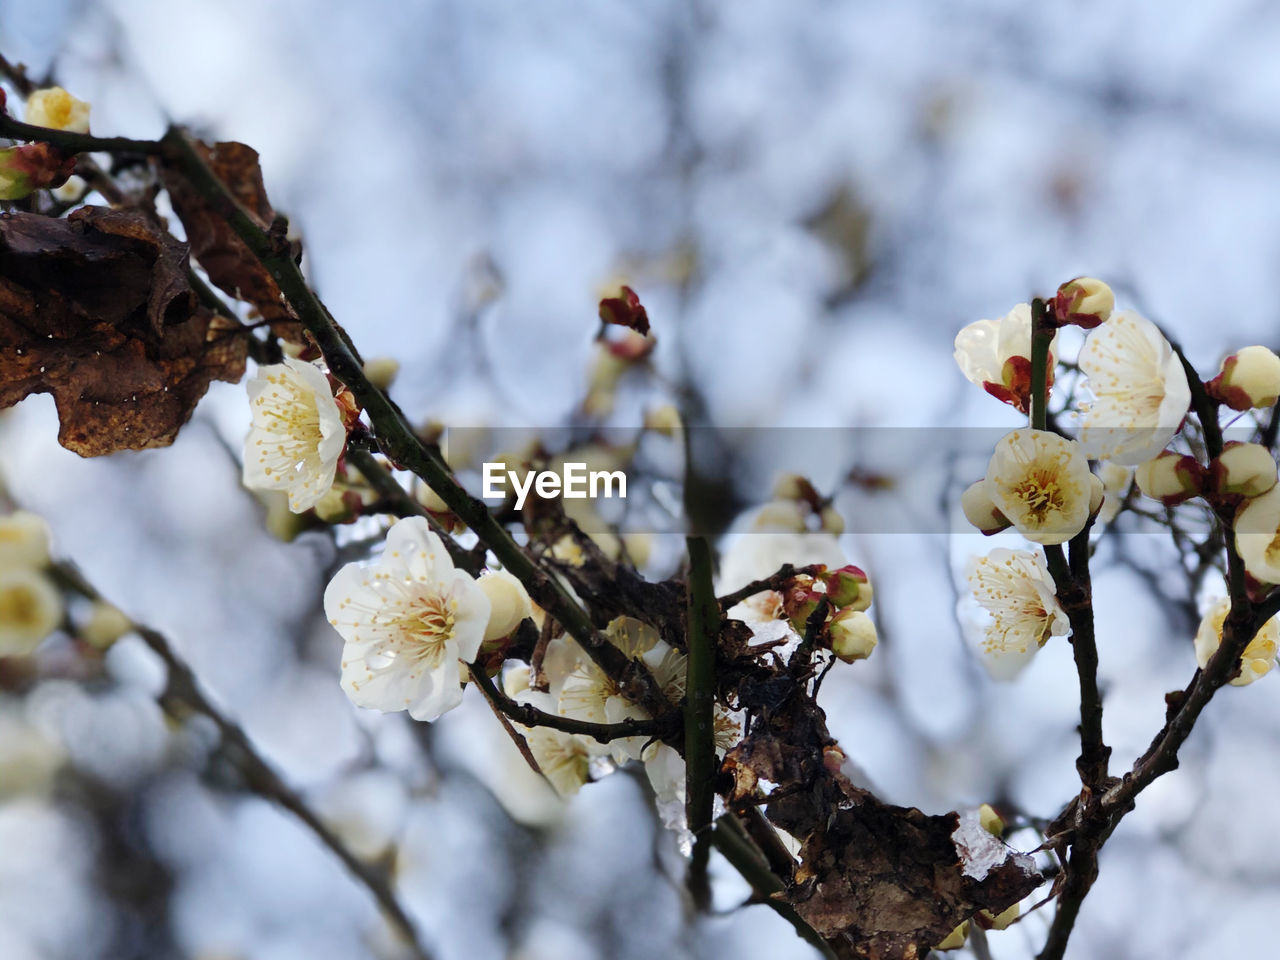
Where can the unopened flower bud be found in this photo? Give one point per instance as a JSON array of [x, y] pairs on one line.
[[853, 635], [381, 372], [429, 499], [848, 587], [799, 602], [786, 516], [106, 625], [1248, 378], [981, 511], [1247, 469], [30, 167], [1170, 478], [1084, 301], [508, 603], [54, 107], [831, 520], [622, 306], [30, 610], [792, 486], [24, 541]]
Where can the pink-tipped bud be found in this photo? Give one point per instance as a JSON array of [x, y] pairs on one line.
[[1171, 478], [1248, 378], [1246, 469], [848, 587], [981, 511], [1084, 301], [31, 167], [853, 635]]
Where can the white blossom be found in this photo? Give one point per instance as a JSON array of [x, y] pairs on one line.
[[1139, 388], [1258, 657], [24, 541], [297, 434], [1257, 530], [407, 619], [996, 355], [1015, 589], [54, 107], [1041, 483], [30, 610]]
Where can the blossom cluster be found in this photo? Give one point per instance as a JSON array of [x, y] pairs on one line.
[[1042, 483]]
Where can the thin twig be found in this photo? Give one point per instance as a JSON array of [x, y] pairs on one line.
[[184, 688]]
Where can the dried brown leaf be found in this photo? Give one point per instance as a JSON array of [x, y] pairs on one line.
[[96, 310], [230, 264]]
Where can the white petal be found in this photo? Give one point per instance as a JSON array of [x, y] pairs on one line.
[[976, 351], [413, 547]]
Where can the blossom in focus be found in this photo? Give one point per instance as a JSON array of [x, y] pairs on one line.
[[1257, 530], [55, 108], [24, 541], [996, 355], [1258, 657], [297, 434], [1015, 588], [30, 610], [1248, 378], [1139, 387], [1041, 483], [407, 619], [979, 510]]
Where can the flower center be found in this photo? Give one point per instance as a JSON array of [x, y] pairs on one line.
[[287, 412], [18, 606], [423, 627], [1041, 492]]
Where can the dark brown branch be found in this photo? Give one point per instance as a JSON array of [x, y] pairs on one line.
[[530, 716], [185, 689]]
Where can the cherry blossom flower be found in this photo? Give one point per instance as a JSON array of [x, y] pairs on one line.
[[1257, 529], [996, 355], [1041, 483], [297, 434], [509, 603], [24, 541], [1015, 589], [1258, 657], [54, 107], [30, 610], [407, 619], [1139, 388]]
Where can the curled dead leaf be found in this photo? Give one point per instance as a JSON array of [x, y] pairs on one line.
[[96, 310], [228, 262]]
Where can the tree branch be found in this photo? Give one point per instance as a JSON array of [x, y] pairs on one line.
[[183, 687], [699, 714]]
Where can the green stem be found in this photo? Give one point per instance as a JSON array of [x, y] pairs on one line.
[[1042, 332], [699, 714]]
